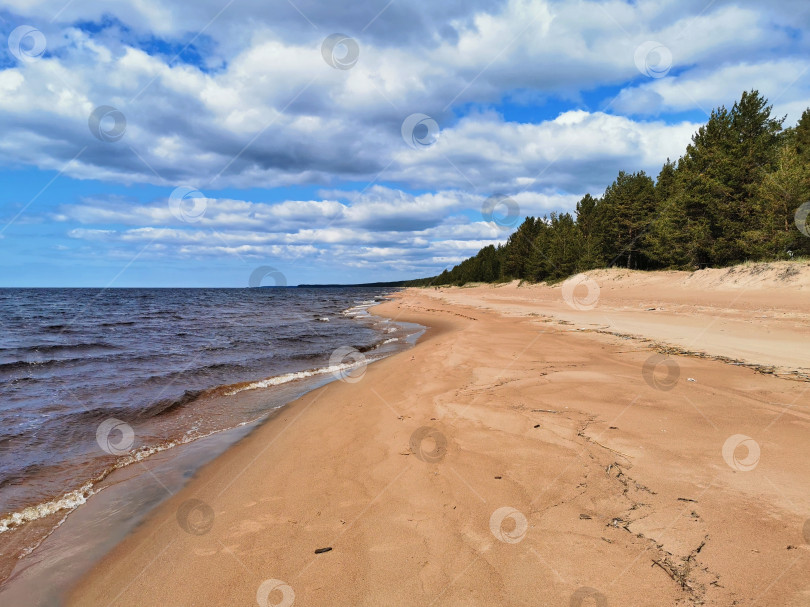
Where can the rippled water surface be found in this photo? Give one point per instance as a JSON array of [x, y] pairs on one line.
[[165, 365]]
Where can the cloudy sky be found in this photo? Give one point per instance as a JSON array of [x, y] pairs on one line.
[[168, 143]]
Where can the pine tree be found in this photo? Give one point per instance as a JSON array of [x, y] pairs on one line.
[[802, 137], [732, 196], [518, 249], [490, 269], [781, 193], [699, 186], [539, 266], [739, 222], [668, 240], [586, 221], [565, 245], [623, 217]]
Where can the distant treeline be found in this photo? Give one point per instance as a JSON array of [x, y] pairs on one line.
[[367, 285], [732, 197]]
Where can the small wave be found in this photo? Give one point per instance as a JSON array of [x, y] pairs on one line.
[[360, 309], [167, 405], [215, 369], [70, 500], [324, 319], [288, 377], [81, 346], [73, 499], [356, 311], [80, 360], [299, 338], [23, 364], [391, 340]]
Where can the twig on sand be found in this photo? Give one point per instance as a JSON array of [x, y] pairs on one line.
[[590, 440], [669, 573]]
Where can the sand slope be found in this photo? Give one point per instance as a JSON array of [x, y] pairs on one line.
[[755, 313], [509, 459]]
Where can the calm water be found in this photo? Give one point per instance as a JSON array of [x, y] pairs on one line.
[[92, 380]]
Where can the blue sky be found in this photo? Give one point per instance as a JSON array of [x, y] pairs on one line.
[[240, 134]]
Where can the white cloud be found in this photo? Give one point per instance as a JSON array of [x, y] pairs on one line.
[[576, 151], [786, 82], [252, 104], [352, 234], [276, 114]]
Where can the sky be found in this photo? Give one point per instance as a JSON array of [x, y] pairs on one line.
[[159, 143]]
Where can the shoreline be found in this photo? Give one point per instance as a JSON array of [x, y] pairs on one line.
[[499, 460], [29, 543]]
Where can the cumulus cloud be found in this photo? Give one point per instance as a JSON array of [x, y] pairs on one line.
[[398, 231], [277, 114], [784, 81], [237, 95]]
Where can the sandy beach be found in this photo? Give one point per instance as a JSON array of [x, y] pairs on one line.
[[540, 445]]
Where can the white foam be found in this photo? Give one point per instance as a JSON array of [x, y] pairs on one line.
[[356, 311], [73, 499], [70, 500], [361, 309], [288, 377]]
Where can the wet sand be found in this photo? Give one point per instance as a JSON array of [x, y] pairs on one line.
[[523, 452]]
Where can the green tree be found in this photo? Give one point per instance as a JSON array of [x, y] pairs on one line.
[[802, 137], [732, 196], [586, 220], [518, 249], [781, 193], [739, 221], [539, 266], [668, 240], [623, 217], [565, 245]]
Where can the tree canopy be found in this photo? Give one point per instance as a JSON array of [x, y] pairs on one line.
[[731, 197]]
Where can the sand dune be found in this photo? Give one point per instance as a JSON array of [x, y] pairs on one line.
[[512, 458]]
